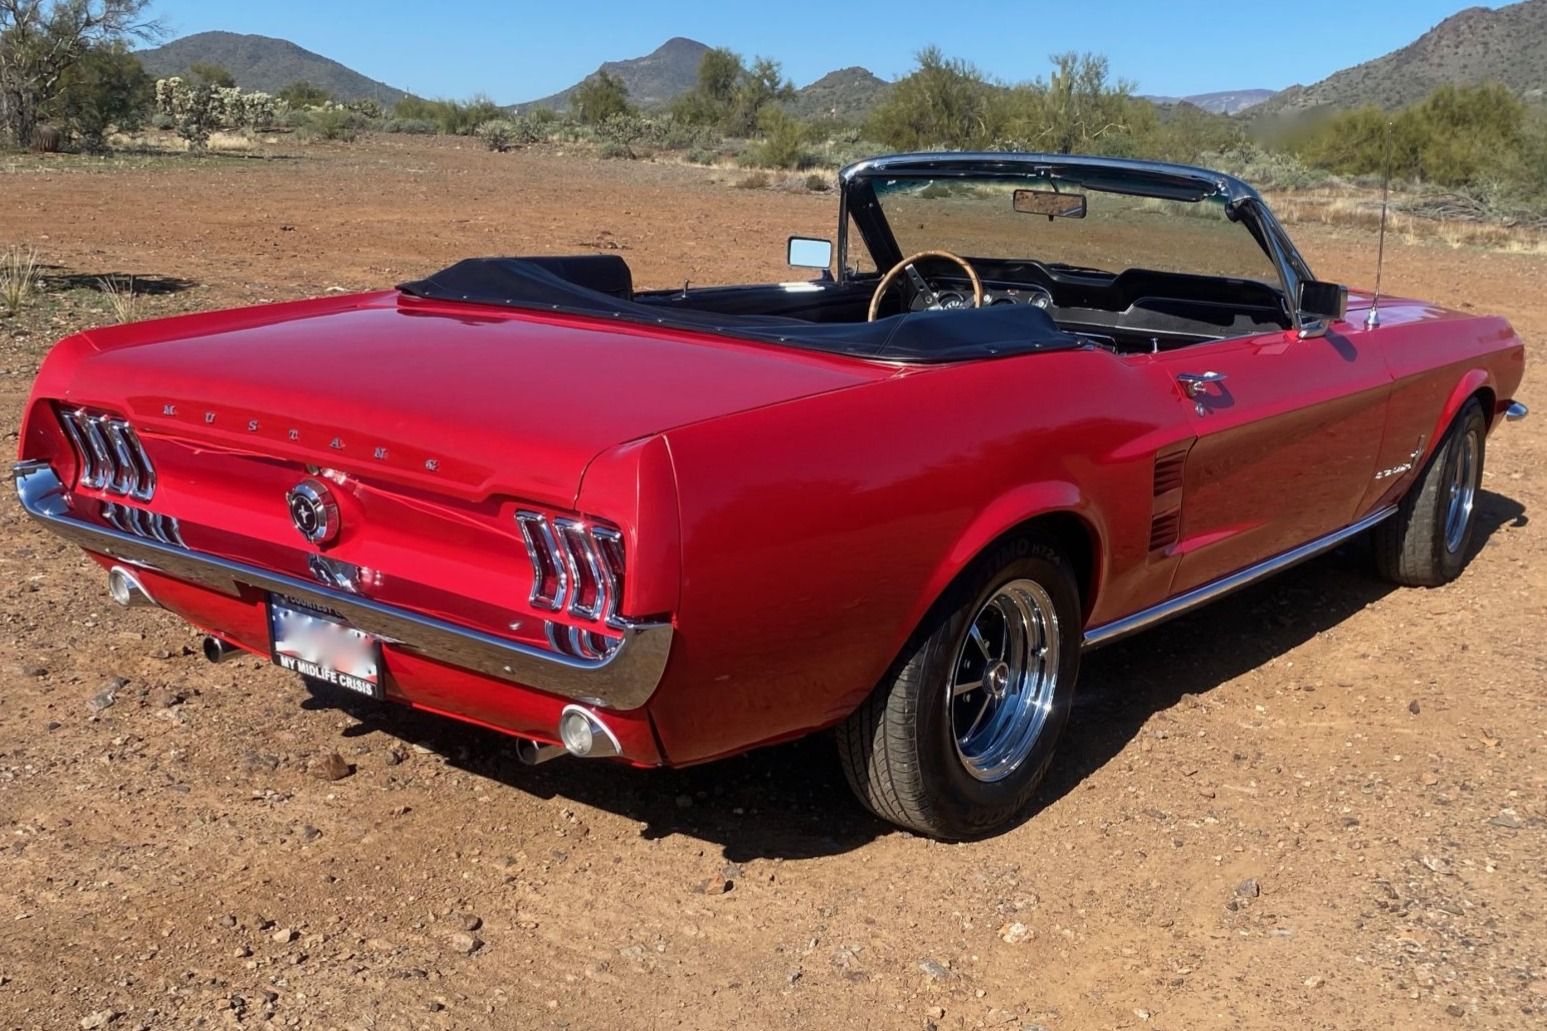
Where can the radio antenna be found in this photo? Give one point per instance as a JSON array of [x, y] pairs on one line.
[[1372, 320]]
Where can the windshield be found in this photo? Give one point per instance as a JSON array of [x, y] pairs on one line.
[[983, 218]]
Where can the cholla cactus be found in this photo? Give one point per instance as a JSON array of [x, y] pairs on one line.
[[220, 107]]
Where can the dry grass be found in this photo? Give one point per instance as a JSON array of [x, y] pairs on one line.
[[122, 298], [19, 277]]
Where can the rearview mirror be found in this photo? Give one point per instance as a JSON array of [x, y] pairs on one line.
[[1049, 203], [1323, 300], [808, 252]]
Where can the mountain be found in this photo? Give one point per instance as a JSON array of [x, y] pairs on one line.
[[264, 63], [846, 95], [1225, 102], [653, 81], [1507, 45]]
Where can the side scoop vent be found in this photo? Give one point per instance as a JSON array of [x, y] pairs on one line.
[[1166, 510], [1168, 472]]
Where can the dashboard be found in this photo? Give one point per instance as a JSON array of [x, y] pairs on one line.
[[960, 296]]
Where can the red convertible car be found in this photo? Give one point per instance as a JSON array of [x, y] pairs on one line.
[[1030, 405]]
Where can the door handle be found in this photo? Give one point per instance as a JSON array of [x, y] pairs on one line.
[[1196, 384]]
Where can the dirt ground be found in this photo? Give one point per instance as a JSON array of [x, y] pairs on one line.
[[1322, 804]]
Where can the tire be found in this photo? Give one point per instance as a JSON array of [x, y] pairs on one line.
[[925, 754], [1425, 543]]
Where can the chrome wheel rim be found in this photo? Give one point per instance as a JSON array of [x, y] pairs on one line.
[[1463, 493], [1003, 680]]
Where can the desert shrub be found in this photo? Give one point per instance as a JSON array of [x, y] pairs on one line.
[[105, 89], [944, 102], [122, 298], [818, 183], [730, 96], [409, 126], [617, 150], [498, 134], [701, 156], [600, 97], [452, 117], [162, 120], [679, 135], [1473, 137], [302, 94], [785, 140], [753, 181], [1265, 168], [19, 277], [332, 122]]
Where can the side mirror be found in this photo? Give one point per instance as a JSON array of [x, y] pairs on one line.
[[1320, 300], [808, 252]]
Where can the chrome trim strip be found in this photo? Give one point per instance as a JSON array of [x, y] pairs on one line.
[[1172, 607], [624, 679], [1515, 412]]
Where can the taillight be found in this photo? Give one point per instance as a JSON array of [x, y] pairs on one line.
[[110, 454], [577, 566]]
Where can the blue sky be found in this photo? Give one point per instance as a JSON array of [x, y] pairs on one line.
[[517, 50]]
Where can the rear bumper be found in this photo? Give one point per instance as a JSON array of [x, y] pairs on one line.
[[623, 681]]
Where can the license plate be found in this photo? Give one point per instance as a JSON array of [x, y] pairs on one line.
[[319, 644]]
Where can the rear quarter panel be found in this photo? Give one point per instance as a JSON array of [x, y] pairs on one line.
[[817, 533]]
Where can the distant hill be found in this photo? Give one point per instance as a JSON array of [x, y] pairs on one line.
[[265, 63], [653, 81], [1508, 45], [1225, 102], [846, 95]]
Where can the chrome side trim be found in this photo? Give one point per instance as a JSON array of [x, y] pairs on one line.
[[1515, 412], [624, 679], [1106, 633]]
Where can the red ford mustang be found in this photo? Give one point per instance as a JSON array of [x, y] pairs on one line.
[[1031, 405]]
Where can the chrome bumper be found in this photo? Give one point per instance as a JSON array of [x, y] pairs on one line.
[[624, 680]]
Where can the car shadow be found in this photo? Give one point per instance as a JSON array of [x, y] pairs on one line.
[[790, 801], [55, 277]]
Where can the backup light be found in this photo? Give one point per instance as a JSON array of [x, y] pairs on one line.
[[575, 732], [585, 735]]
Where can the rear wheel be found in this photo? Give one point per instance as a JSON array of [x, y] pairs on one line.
[[1425, 543], [955, 739]]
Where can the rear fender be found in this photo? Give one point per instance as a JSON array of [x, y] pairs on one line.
[[1010, 510]]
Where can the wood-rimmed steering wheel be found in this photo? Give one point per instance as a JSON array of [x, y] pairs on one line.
[[918, 282]]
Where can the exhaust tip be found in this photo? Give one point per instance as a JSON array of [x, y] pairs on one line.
[[125, 588], [533, 752], [585, 735], [217, 650]]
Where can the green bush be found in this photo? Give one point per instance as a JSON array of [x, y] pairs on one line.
[[410, 126], [334, 123], [498, 134], [785, 140], [1474, 137], [600, 97], [452, 117], [105, 89]]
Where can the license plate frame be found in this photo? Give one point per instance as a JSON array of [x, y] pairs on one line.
[[319, 643]]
